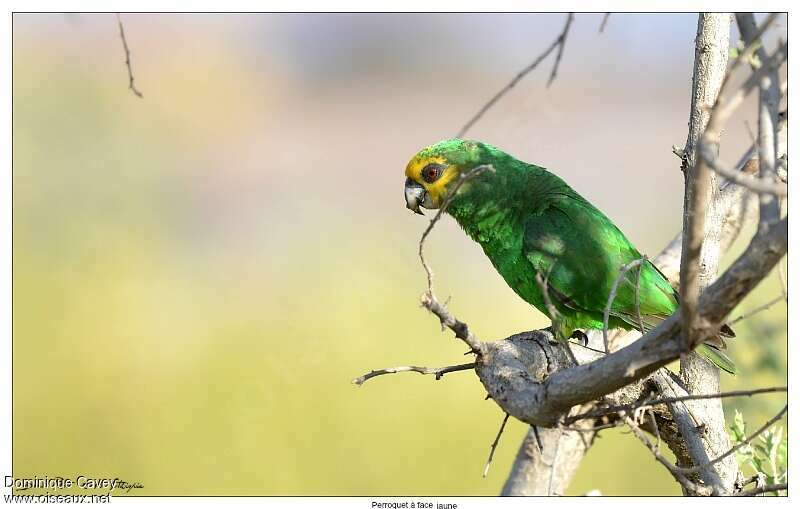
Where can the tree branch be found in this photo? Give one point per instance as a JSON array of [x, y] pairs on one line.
[[437, 372], [603, 411], [543, 399], [677, 474], [557, 43], [767, 488], [428, 299], [131, 85]]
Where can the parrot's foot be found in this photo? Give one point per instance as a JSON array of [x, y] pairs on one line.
[[581, 336], [552, 340]]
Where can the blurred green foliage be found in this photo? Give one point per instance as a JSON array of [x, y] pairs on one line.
[[189, 311], [766, 457]]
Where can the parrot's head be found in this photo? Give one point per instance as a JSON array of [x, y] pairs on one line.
[[434, 169]]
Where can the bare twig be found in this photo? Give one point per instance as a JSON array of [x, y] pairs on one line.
[[493, 447], [131, 85], [613, 295], [676, 472], [461, 329], [767, 488], [741, 444], [562, 40], [757, 310], [758, 185], [601, 412], [437, 372], [464, 177], [428, 298], [558, 42], [603, 23], [726, 105]]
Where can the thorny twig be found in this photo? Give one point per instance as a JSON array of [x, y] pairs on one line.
[[437, 372], [493, 447], [131, 85], [558, 42], [428, 299]]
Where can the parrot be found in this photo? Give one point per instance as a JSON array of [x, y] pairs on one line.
[[540, 234]]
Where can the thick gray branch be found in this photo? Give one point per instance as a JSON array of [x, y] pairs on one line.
[[532, 475], [530, 387], [703, 225]]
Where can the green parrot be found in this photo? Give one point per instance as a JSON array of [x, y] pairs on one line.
[[528, 221]]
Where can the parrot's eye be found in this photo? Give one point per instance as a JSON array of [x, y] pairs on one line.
[[432, 172]]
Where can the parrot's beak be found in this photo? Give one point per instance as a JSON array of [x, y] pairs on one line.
[[415, 195]]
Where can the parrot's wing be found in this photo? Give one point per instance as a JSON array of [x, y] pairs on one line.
[[579, 252]]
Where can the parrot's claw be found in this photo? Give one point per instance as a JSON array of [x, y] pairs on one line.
[[581, 336]]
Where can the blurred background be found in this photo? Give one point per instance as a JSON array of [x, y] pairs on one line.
[[199, 274]]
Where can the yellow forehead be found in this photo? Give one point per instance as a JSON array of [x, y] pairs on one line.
[[438, 189], [415, 166]]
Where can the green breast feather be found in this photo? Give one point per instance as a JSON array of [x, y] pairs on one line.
[[529, 221]]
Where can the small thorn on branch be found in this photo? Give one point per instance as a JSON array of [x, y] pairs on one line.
[[493, 447]]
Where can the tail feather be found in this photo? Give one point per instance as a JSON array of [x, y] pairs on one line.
[[717, 357]]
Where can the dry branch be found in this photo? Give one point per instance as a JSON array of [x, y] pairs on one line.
[[131, 85], [767, 488], [437, 372], [557, 43]]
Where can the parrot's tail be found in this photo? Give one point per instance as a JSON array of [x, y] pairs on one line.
[[716, 357]]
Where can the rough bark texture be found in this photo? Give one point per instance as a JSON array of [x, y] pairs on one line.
[[532, 475], [704, 220]]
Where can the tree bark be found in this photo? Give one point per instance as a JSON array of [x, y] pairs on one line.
[[703, 209]]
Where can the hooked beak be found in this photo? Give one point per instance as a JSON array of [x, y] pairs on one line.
[[415, 195]]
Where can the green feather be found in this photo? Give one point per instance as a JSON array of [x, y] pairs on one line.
[[529, 221]]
